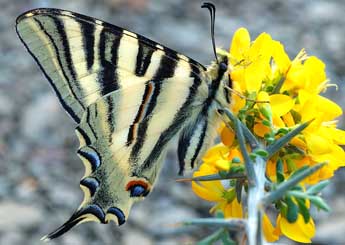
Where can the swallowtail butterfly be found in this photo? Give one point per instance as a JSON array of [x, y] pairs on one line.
[[130, 97]]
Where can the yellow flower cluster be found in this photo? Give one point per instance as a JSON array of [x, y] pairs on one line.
[[261, 70]]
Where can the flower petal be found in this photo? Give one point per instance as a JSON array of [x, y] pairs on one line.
[[240, 44], [268, 229], [298, 231], [280, 57], [281, 104], [233, 209]]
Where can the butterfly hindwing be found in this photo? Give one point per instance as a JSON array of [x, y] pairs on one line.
[[122, 165]]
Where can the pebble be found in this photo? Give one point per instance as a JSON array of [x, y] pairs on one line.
[[15, 216], [133, 236]]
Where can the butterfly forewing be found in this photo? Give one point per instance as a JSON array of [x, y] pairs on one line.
[[130, 97], [84, 58]]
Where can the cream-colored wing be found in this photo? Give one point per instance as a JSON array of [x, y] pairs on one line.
[[84, 58]]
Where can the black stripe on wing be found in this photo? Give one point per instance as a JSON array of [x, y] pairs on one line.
[[143, 60], [166, 70], [107, 76], [180, 118], [191, 141], [88, 31]]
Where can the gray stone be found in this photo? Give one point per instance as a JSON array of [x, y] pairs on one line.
[[42, 120], [133, 237], [15, 216]]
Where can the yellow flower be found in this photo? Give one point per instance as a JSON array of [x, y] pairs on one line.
[[208, 190], [270, 232], [215, 153], [215, 191], [250, 64], [298, 231], [261, 70], [230, 209], [305, 73]]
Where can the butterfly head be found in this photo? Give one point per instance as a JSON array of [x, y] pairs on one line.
[[219, 79]]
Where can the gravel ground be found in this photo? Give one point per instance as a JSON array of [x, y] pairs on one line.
[[39, 171]]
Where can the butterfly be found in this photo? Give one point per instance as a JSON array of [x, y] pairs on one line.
[[130, 98]]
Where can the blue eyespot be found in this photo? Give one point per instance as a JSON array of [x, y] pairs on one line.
[[138, 191]]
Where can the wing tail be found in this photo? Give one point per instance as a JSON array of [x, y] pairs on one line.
[[86, 213], [69, 224]]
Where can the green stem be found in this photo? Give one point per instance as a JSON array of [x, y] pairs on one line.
[[253, 142], [279, 85], [241, 141], [232, 224], [255, 195], [212, 238], [214, 177]]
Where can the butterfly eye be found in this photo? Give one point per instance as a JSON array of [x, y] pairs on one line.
[[137, 189], [223, 66]]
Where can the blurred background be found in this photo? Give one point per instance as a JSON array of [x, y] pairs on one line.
[[39, 170]]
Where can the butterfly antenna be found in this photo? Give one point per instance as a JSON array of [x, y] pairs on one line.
[[212, 9]]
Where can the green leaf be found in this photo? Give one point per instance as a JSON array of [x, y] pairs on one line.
[[237, 169], [303, 210], [279, 143], [225, 238], [291, 165], [280, 171], [261, 152], [269, 138], [229, 195], [266, 123], [236, 160], [320, 203], [283, 208], [280, 178], [282, 131], [223, 173], [280, 166], [296, 116], [299, 171], [292, 210], [211, 239], [267, 113], [317, 188], [219, 214]]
